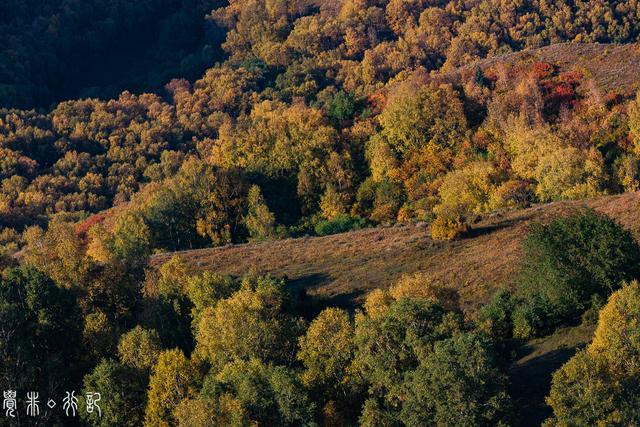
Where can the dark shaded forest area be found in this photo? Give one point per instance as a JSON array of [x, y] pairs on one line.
[[57, 50]]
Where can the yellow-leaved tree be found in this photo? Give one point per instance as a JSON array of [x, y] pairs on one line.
[[463, 192], [248, 324], [599, 385], [559, 171], [259, 220], [422, 127], [634, 122], [174, 378]]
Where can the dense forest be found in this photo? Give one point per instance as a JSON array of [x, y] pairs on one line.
[[129, 129]]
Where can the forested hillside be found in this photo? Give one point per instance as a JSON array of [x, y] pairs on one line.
[[322, 112], [484, 155]]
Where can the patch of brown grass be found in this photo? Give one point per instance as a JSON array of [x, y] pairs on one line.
[[342, 268]]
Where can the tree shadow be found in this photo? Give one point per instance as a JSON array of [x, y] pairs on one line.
[[312, 305], [308, 281], [346, 301], [530, 384], [491, 228]]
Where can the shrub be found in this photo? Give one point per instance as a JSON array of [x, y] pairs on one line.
[[572, 258], [495, 319], [420, 285], [448, 228], [463, 192], [532, 318], [340, 224]]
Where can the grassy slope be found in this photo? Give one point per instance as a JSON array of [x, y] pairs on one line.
[[535, 363], [342, 268]]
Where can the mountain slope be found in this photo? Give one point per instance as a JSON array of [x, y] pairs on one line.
[[342, 268]]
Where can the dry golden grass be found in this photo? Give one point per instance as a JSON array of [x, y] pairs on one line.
[[341, 269]]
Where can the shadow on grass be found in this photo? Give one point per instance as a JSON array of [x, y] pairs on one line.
[[346, 301], [531, 382], [308, 281], [312, 305], [477, 231]]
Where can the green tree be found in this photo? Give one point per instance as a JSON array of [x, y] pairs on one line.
[[495, 319], [572, 258], [122, 395], [341, 106], [269, 395], [259, 220], [40, 335], [458, 383], [406, 331]]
